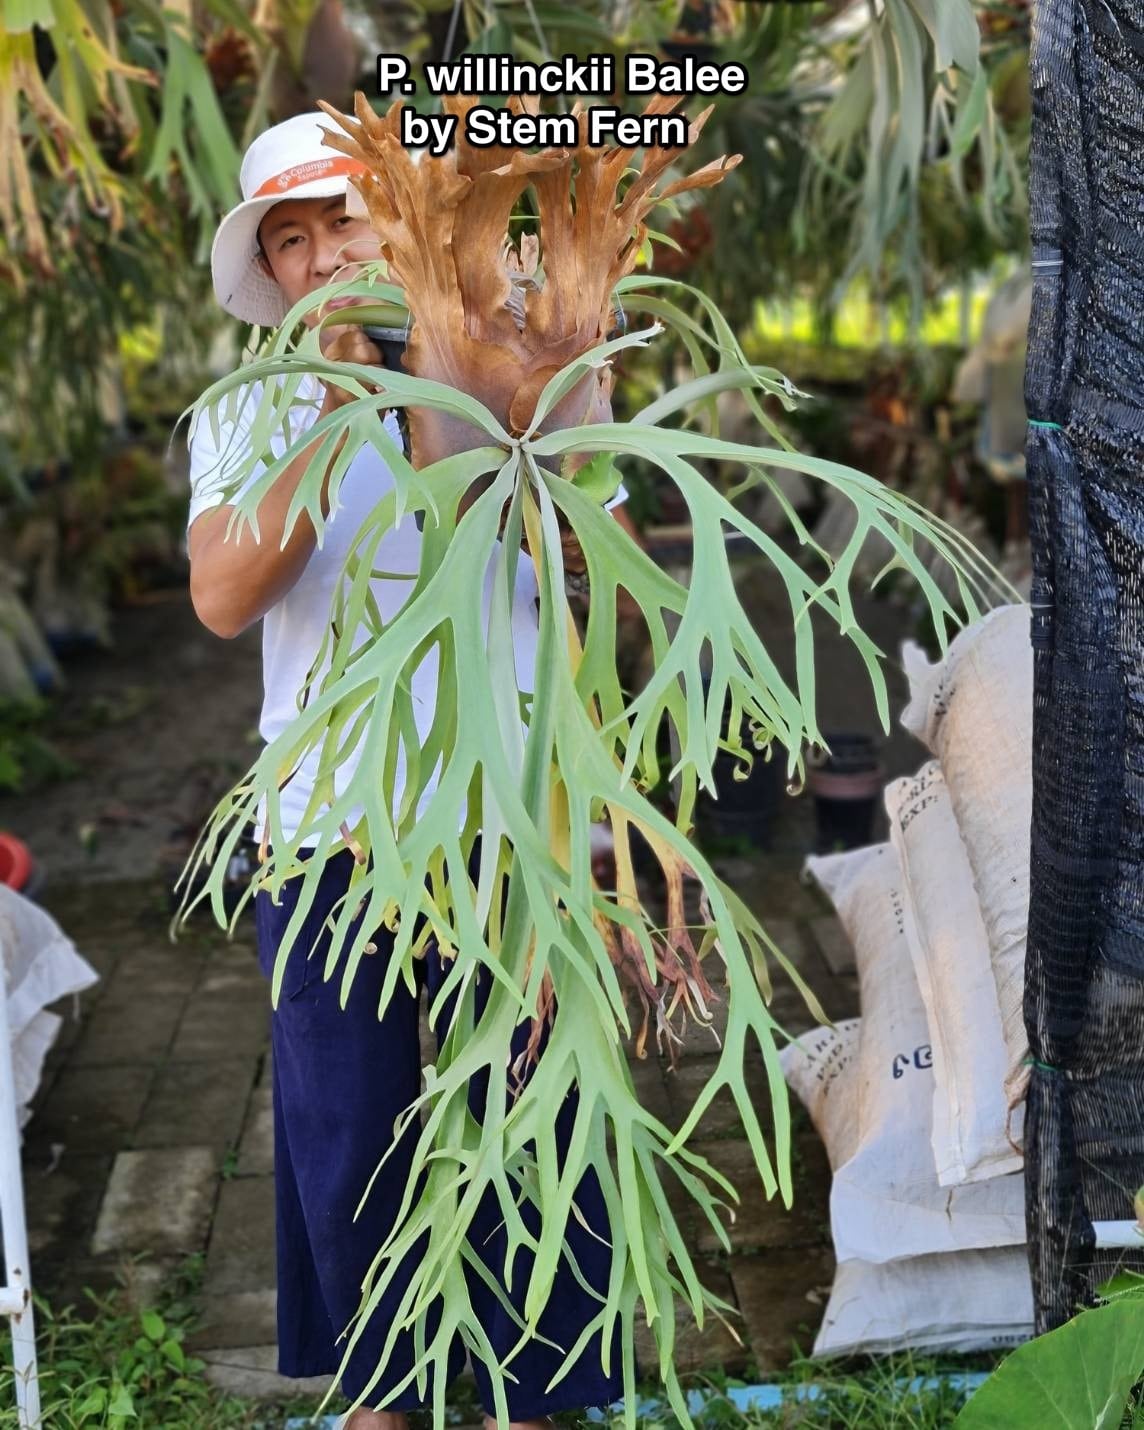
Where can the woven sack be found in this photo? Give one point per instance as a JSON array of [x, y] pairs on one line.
[[966, 1301], [820, 1067], [949, 948], [962, 1301], [886, 1201], [974, 711]]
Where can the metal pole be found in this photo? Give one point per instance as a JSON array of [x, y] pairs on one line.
[[16, 1294]]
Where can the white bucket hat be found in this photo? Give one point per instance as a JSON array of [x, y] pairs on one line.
[[289, 161]]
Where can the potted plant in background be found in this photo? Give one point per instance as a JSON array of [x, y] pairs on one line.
[[514, 397], [745, 795], [845, 781]]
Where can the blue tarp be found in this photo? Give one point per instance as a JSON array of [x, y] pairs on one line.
[[743, 1398]]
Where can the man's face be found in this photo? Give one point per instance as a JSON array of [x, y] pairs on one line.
[[311, 242]]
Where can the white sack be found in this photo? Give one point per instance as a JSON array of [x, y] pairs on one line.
[[41, 965], [974, 711], [886, 1202], [820, 1068], [968, 1301], [962, 1301], [949, 948]]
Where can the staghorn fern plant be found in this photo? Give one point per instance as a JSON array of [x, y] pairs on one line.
[[507, 394]]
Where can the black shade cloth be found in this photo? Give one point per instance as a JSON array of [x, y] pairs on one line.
[[1084, 393]]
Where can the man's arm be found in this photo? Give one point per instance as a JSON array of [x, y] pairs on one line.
[[234, 583]]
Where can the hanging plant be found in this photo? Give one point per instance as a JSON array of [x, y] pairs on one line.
[[508, 395], [110, 98], [910, 93]]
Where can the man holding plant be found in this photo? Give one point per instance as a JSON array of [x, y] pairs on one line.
[[342, 1076]]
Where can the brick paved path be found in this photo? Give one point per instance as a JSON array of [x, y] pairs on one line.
[[152, 1134], [151, 1138]]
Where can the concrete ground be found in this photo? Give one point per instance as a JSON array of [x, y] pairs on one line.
[[151, 1139]]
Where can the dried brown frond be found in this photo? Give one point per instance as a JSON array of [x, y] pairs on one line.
[[444, 229]]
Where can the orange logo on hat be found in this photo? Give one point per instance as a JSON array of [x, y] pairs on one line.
[[307, 173]]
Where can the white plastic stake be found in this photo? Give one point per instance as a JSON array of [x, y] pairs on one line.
[[16, 1294], [1117, 1234]]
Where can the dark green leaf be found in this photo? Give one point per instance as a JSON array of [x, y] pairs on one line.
[[1077, 1376]]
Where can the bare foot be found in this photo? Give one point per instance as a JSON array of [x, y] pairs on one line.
[[365, 1419]]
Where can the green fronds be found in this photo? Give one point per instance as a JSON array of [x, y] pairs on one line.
[[530, 776]]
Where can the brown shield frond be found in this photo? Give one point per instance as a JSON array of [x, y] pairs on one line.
[[444, 227]]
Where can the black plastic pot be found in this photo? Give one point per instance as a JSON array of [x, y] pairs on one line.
[[846, 785], [744, 809], [241, 867], [391, 342]]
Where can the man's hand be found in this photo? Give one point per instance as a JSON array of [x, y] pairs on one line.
[[346, 343]]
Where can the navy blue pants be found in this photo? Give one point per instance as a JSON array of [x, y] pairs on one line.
[[341, 1077]]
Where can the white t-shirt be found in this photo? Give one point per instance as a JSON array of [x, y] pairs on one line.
[[293, 629]]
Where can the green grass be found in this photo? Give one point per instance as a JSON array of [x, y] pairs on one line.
[[115, 1367], [111, 1367], [870, 1396], [105, 1365]]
